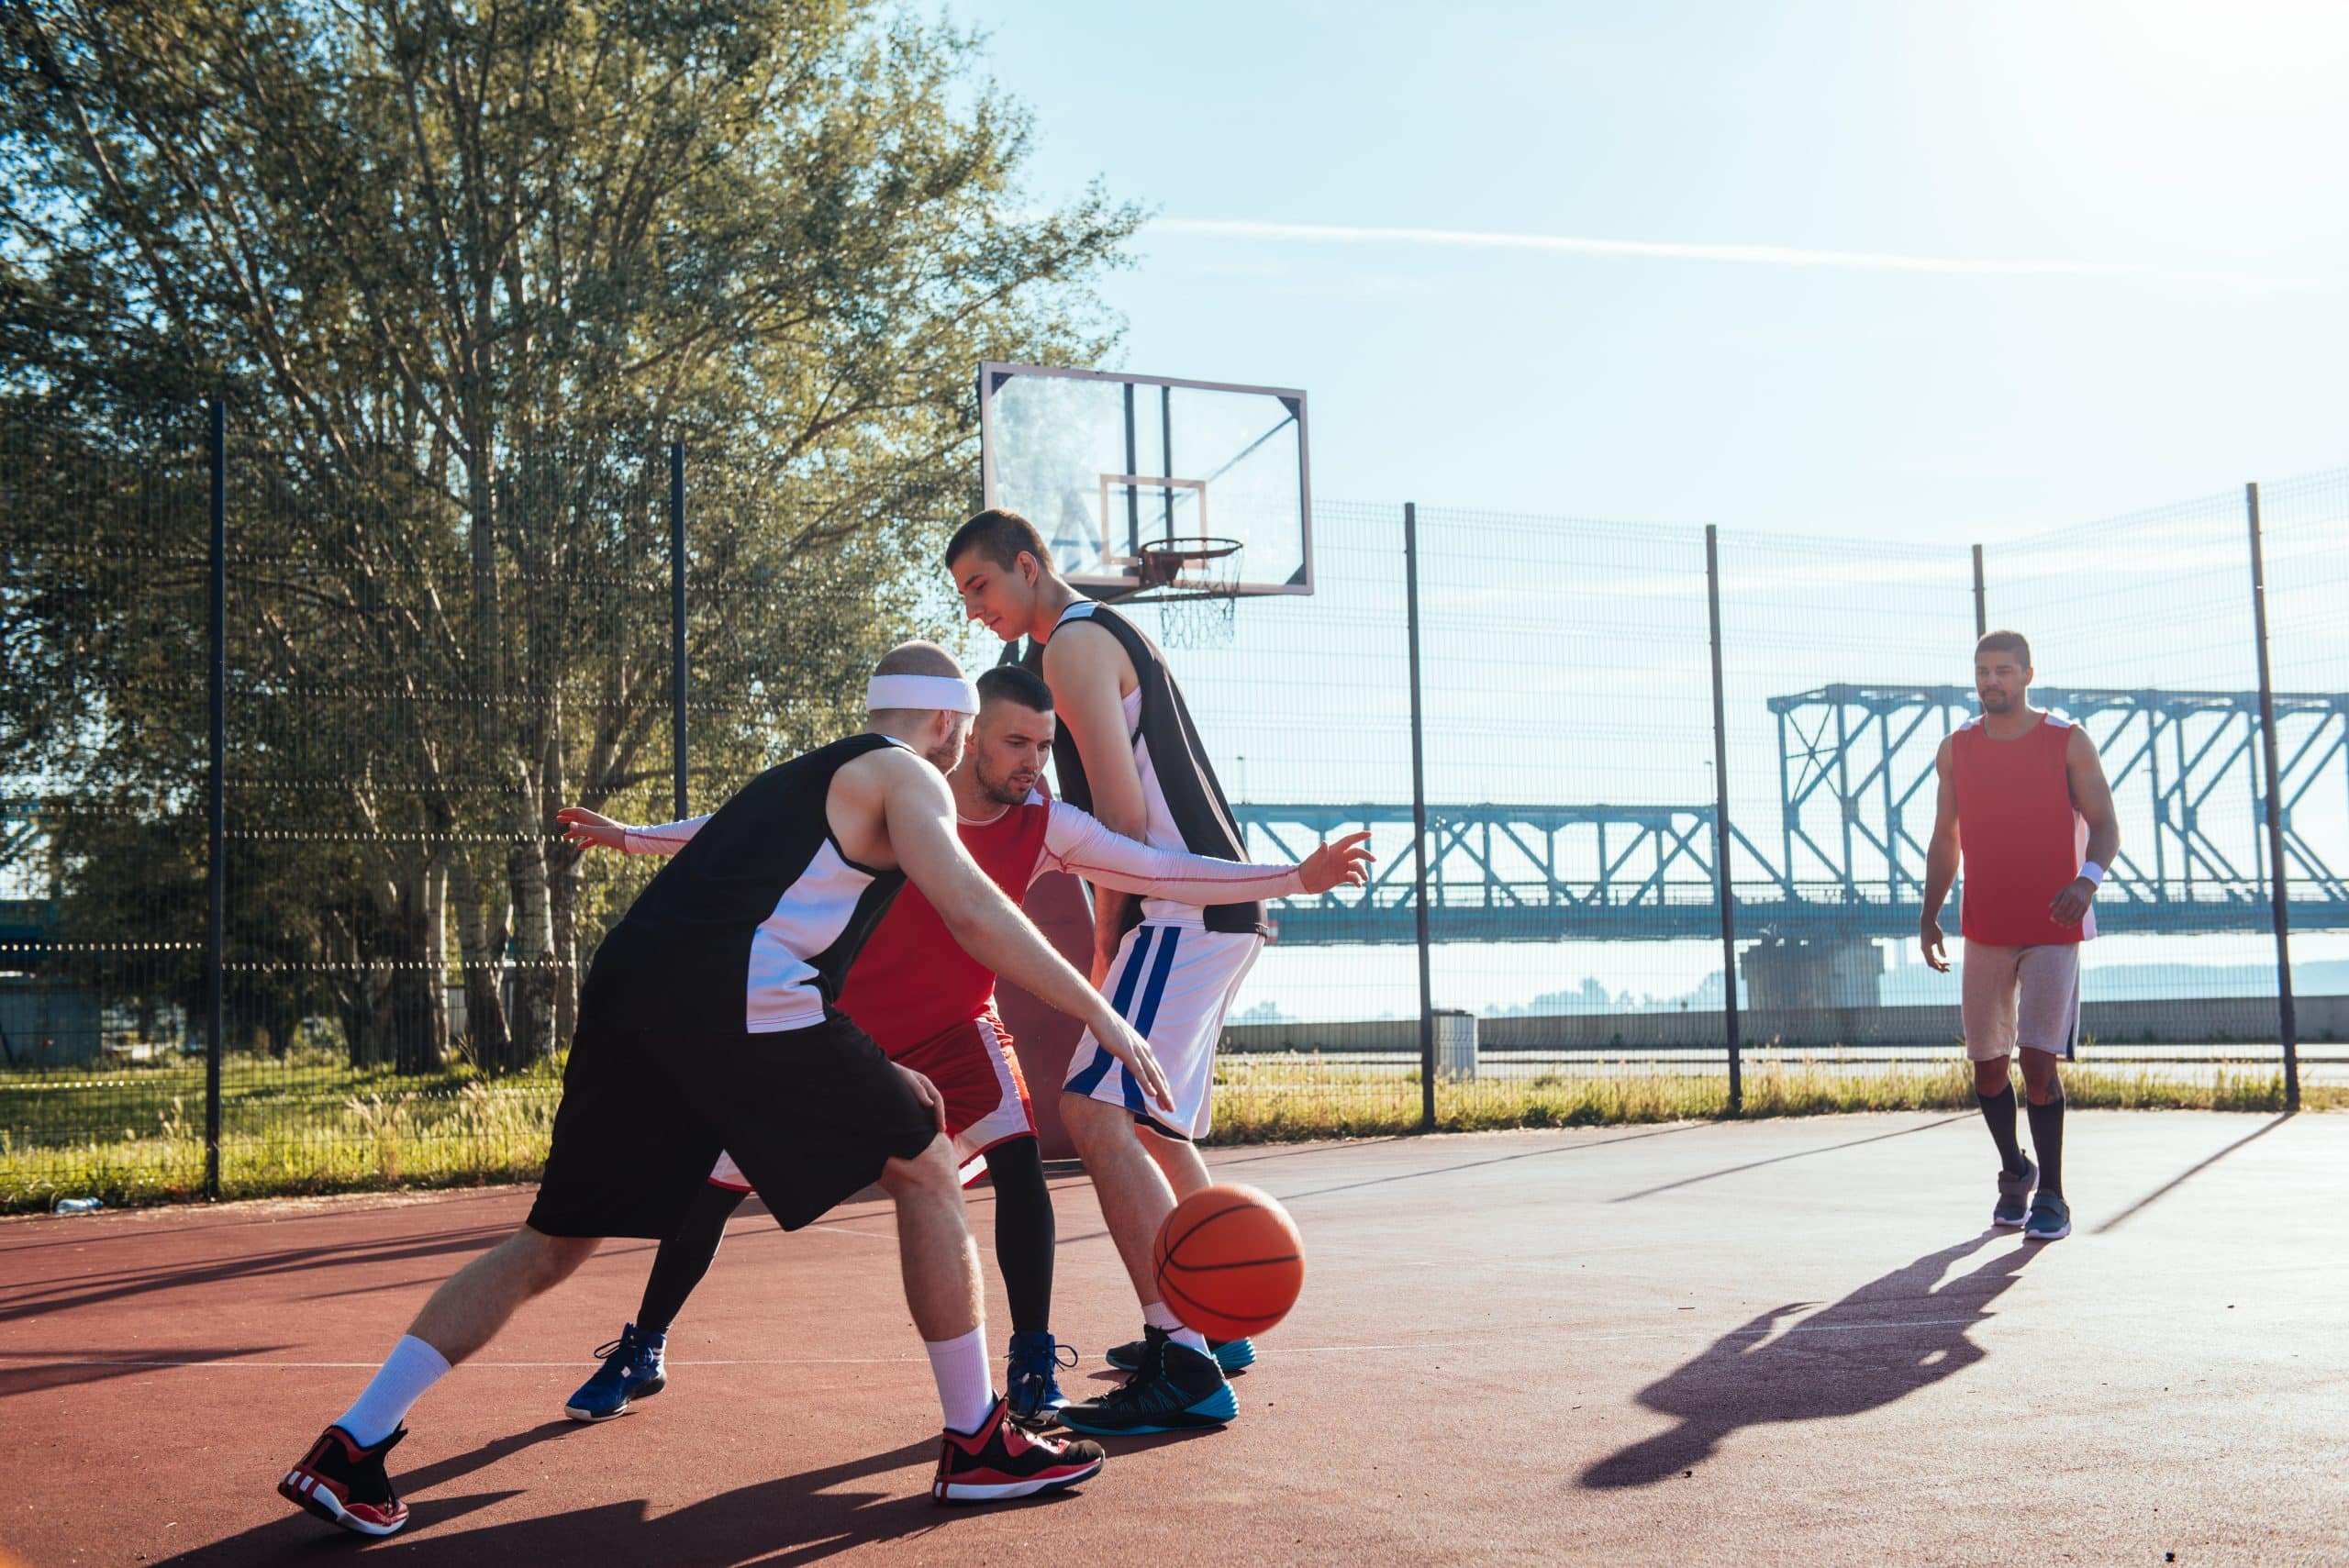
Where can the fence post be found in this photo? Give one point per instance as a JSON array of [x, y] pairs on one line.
[[1419, 818], [1722, 851], [677, 620], [2288, 1024], [216, 798], [1981, 602]]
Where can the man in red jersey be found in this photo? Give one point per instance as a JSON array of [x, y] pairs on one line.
[[711, 1021], [930, 1007], [2024, 800]]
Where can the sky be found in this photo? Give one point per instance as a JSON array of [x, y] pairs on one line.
[[1921, 275], [1937, 273]]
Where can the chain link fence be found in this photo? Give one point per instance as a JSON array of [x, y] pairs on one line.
[[1597, 724]]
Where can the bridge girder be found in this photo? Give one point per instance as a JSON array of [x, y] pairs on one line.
[[1855, 809]]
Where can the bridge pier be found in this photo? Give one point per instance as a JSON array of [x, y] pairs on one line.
[[1826, 971]]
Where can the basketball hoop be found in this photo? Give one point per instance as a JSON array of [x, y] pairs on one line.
[[1202, 573]]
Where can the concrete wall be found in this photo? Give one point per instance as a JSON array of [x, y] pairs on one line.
[[2213, 1021]]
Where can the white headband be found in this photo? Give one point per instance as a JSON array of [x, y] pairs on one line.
[[951, 692]]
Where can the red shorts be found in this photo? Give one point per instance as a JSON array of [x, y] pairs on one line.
[[986, 1098]]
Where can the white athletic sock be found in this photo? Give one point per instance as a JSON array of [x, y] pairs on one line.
[[411, 1368], [965, 1386], [1155, 1314]]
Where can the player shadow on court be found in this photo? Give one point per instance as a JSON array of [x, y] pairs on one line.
[[32, 1372], [1884, 1341], [791, 1519], [130, 1281]]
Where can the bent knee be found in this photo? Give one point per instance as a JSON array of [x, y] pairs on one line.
[[932, 1170], [553, 1259], [1086, 1117]]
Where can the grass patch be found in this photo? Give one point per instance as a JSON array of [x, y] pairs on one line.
[[135, 1135], [1273, 1098]]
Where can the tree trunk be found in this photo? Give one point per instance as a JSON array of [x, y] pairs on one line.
[[563, 891], [416, 1001], [436, 957], [562, 898], [372, 934], [481, 946], [534, 954]]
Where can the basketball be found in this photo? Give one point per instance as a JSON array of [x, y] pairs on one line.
[[1230, 1263]]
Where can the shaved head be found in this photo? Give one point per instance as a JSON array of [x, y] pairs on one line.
[[936, 733], [917, 658]]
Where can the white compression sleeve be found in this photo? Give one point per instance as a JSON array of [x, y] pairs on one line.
[[665, 839], [1077, 843]]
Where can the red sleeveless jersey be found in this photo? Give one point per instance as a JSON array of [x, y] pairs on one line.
[[913, 982], [2021, 839]]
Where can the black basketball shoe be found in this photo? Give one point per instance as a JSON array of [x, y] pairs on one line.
[[1175, 1389]]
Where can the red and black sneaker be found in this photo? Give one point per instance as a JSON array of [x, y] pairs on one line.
[[346, 1485], [1001, 1460]]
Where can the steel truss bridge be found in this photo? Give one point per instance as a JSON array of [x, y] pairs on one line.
[[1845, 858]]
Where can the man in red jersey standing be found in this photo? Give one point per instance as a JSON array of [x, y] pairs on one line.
[[2023, 800]]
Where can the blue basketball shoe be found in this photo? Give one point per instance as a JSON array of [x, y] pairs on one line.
[[633, 1369], [1233, 1355], [1034, 1391], [1175, 1389]]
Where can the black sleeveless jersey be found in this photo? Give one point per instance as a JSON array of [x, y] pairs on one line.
[[751, 927], [1178, 785]]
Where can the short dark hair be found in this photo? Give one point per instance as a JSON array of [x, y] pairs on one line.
[[2004, 641], [999, 534], [1011, 683]]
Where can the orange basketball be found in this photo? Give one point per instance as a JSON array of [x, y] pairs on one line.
[[1230, 1261]]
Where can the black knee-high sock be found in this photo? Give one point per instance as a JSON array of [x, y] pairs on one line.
[[2047, 1141], [1999, 1110], [685, 1257], [1025, 1233]]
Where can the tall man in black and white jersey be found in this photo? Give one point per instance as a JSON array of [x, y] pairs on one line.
[[1134, 761], [707, 1022]]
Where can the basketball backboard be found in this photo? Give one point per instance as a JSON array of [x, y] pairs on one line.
[[1106, 464]]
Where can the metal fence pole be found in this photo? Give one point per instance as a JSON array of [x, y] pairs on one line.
[[1721, 852], [1981, 602], [677, 620], [2287, 1022], [216, 800], [1419, 818]]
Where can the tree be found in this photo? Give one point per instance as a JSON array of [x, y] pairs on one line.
[[463, 270]]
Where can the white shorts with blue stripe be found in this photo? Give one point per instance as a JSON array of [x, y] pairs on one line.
[[1173, 983]]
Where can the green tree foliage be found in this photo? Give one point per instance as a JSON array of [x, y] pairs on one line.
[[462, 271]]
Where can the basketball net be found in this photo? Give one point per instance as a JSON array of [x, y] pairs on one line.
[[1202, 609]]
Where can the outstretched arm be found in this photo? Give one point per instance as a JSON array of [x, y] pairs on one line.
[[590, 828], [991, 928], [1077, 843]]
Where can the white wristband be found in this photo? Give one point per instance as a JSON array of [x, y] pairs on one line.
[[2093, 872]]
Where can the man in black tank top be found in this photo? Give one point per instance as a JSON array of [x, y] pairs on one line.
[[707, 1022], [1133, 759]]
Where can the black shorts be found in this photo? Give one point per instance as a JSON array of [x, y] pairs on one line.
[[809, 1115]]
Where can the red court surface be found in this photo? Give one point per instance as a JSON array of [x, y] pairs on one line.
[[1786, 1341]]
